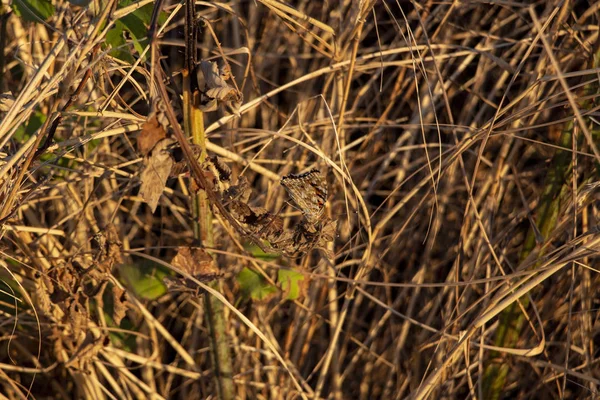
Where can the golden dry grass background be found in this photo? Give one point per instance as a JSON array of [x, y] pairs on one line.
[[438, 126]]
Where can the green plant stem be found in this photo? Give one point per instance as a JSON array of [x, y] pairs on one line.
[[512, 319], [203, 232], [556, 191]]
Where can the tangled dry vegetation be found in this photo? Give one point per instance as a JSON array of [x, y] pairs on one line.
[[454, 256]]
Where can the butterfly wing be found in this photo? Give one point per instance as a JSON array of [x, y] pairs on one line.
[[309, 193]]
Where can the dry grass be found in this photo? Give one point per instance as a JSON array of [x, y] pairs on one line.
[[439, 126]]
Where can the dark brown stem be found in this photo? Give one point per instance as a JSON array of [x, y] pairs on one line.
[[3, 20], [220, 351]]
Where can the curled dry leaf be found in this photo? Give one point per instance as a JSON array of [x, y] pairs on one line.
[[311, 238], [196, 262], [180, 165], [258, 220], [154, 129], [212, 167], [305, 237], [109, 248], [219, 168], [87, 351], [6, 101], [152, 132], [120, 304], [212, 82], [587, 193], [157, 168], [241, 191]]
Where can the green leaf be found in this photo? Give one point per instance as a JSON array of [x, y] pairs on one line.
[[124, 341], [35, 122], [92, 144], [144, 13], [135, 26], [253, 285], [257, 252], [120, 338], [116, 39], [145, 279], [33, 10], [290, 283]]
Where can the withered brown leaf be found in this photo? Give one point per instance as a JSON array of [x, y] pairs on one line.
[[222, 170], [305, 237], [6, 101], [109, 248], [154, 129], [240, 191], [152, 132], [120, 304], [154, 176], [258, 220], [196, 262], [180, 165], [212, 82]]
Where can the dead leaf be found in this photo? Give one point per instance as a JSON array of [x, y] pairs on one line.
[[223, 170], [114, 243], [212, 82], [152, 132], [154, 129], [6, 101], [156, 172], [329, 230], [241, 191], [87, 351], [181, 165], [160, 110], [120, 304], [258, 220], [109, 248], [196, 262], [306, 237]]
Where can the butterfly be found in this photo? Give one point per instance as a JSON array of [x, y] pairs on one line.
[[309, 192]]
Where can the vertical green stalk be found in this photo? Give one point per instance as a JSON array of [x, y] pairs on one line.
[[512, 320], [201, 210], [556, 191]]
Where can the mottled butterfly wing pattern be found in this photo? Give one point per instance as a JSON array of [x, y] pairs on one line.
[[309, 192]]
